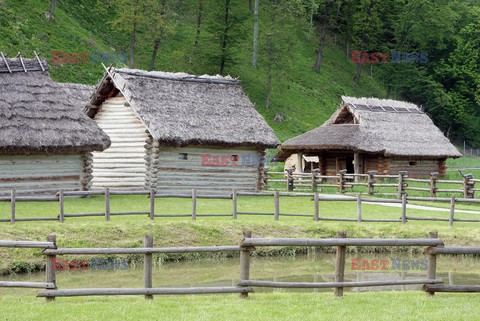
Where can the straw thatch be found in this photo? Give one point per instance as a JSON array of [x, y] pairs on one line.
[[39, 116], [180, 109], [388, 127]]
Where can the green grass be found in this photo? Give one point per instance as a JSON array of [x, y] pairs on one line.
[[260, 306]]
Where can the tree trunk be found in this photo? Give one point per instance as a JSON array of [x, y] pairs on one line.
[[270, 67], [318, 63], [132, 44], [49, 14], [255, 35], [250, 6], [224, 39], [156, 44], [199, 22], [359, 73]]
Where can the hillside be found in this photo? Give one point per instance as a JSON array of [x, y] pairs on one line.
[[303, 97]]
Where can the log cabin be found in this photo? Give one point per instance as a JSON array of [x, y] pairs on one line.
[[368, 134], [171, 131], [45, 138]]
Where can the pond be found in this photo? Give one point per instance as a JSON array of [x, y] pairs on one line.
[[225, 272]]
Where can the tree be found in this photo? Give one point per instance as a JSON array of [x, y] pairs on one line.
[[131, 15], [49, 14], [160, 24], [323, 36], [255, 35], [199, 22]]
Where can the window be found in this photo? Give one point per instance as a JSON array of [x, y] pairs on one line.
[[183, 156], [412, 163], [234, 158]]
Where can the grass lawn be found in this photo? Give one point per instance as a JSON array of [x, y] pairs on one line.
[[260, 306]]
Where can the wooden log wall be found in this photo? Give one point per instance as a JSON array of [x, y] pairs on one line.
[[123, 164], [41, 173], [181, 170], [414, 167]]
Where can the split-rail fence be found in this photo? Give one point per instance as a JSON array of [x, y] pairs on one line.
[[246, 285]]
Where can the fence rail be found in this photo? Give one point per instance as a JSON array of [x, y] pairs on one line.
[[372, 181], [315, 214], [431, 283]]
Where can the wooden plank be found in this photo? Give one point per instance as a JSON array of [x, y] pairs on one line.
[[432, 262], [33, 285], [152, 291], [245, 262], [324, 285], [276, 203], [93, 251], [452, 211], [50, 276], [340, 264], [12, 206], [451, 288], [455, 250], [27, 244], [341, 242], [148, 265]]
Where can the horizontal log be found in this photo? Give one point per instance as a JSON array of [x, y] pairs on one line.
[[385, 176], [84, 214], [384, 185], [142, 250], [417, 189], [379, 220], [190, 196], [340, 242], [173, 215], [32, 219], [255, 213], [428, 199], [27, 244], [408, 179], [358, 184], [129, 213], [417, 218], [449, 190], [83, 193], [451, 288], [33, 285], [455, 250], [300, 215], [150, 291], [309, 285], [144, 192], [446, 181], [253, 194], [380, 200], [30, 199]]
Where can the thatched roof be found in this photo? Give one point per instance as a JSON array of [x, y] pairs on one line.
[[389, 127], [40, 116], [180, 109]]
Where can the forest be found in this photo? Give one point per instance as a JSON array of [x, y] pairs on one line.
[[294, 57]]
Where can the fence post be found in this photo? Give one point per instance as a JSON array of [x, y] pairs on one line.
[[245, 262], [276, 201], [433, 184], [370, 181], [152, 204], [234, 204], [50, 267], [359, 208], [148, 265], [315, 205], [107, 204], [404, 208], [61, 205], [12, 206], [340, 264], [452, 211], [290, 180], [314, 180], [401, 184], [467, 192], [432, 262], [341, 180], [194, 204]]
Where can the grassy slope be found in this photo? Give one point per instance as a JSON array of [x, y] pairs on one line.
[[276, 306], [304, 97]]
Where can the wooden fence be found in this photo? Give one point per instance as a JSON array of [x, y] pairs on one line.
[[372, 181], [276, 214], [431, 283]]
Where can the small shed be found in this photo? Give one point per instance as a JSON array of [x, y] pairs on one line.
[[369, 134], [177, 132], [45, 138]]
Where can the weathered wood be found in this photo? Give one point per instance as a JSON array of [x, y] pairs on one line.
[[404, 208], [340, 242], [450, 288], [276, 204], [323, 285], [255, 213], [340, 265], [133, 291], [12, 206], [452, 211], [148, 265], [370, 182], [432, 263], [28, 244], [359, 208], [61, 206], [32, 285], [50, 267], [107, 204], [194, 204], [152, 204], [455, 250], [433, 184], [234, 204], [316, 211], [94, 251], [245, 261]]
